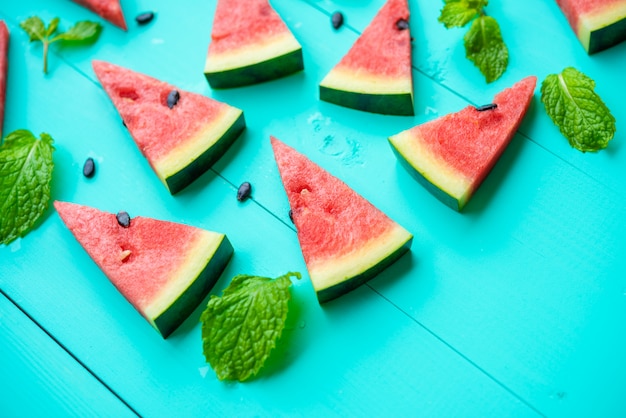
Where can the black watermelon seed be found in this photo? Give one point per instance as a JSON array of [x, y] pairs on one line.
[[244, 191], [123, 219], [89, 168], [402, 24], [291, 216], [489, 106], [337, 20], [172, 98], [145, 17]]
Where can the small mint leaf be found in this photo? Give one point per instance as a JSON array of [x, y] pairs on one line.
[[581, 115], [35, 28], [485, 47], [52, 27], [81, 31], [458, 13], [240, 328], [25, 173]]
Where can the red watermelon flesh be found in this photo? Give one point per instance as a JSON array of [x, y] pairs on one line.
[[598, 24], [250, 43], [383, 50], [4, 64], [345, 240], [239, 23], [107, 9], [375, 74], [454, 153], [172, 139], [163, 269]]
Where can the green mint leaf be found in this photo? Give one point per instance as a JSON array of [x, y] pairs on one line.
[[52, 27], [37, 31], [485, 47], [460, 12], [35, 28], [240, 328], [580, 114], [81, 31], [25, 174]]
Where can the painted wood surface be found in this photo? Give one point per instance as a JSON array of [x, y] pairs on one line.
[[515, 307]]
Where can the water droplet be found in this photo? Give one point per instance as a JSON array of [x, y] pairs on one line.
[[431, 111], [203, 371], [16, 245], [301, 324]]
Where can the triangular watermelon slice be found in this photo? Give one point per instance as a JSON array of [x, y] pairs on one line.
[[452, 155], [344, 239], [598, 24], [180, 133], [163, 269], [375, 75], [4, 65], [250, 43], [107, 9]]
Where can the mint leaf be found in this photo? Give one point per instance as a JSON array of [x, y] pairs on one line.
[[37, 31], [35, 28], [485, 47], [82, 31], [580, 114], [25, 174], [240, 328], [52, 27], [459, 13]]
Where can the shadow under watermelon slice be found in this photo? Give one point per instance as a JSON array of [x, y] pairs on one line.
[[164, 269], [451, 155], [345, 240]]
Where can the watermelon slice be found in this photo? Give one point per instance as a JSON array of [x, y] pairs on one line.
[[451, 155], [250, 43], [180, 133], [344, 239], [107, 9], [599, 24], [375, 74], [4, 65], [163, 269]]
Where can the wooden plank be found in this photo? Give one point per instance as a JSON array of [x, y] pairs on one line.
[[40, 378]]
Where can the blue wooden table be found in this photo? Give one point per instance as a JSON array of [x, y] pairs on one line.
[[515, 307]]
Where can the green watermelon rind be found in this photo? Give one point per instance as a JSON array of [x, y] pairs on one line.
[[180, 308], [602, 30], [456, 201], [180, 179], [272, 68], [387, 104], [339, 274], [348, 284]]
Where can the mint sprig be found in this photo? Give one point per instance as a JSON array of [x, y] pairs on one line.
[[483, 41], [580, 114], [240, 328], [25, 173], [84, 31]]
